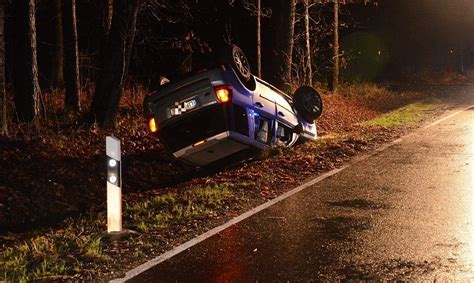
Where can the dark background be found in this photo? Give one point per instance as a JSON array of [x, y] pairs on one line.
[[398, 37]]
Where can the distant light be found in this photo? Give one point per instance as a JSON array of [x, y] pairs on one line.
[[380, 52], [113, 179], [452, 51], [112, 163]]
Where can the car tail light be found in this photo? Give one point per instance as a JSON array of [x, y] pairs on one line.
[[199, 143], [152, 124], [223, 93]]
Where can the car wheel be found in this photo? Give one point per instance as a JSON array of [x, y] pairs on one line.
[[235, 57], [308, 103]]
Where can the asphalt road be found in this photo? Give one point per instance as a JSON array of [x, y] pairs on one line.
[[405, 213]]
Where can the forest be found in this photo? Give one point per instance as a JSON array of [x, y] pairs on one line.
[[72, 46]]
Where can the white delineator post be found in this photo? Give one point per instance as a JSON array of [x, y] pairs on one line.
[[114, 185]]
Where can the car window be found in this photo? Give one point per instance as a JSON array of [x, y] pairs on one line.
[[241, 120], [263, 130], [284, 135]]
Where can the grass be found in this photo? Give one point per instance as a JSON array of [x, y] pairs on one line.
[[380, 98], [364, 90], [408, 115], [56, 255], [62, 254], [161, 211], [443, 78]]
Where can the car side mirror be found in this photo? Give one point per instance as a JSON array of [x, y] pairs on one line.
[[298, 129]]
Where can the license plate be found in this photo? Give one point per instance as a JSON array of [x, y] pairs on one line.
[[190, 104], [182, 107]]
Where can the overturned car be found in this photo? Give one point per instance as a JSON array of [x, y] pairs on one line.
[[224, 110]]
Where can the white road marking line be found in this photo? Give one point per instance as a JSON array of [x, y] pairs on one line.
[[447, 117], [169, 254]]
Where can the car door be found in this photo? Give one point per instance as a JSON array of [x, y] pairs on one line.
[[263, 101], [264, 108], [284, 112]]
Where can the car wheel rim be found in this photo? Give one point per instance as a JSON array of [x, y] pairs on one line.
[[241, 63], [311, 103]]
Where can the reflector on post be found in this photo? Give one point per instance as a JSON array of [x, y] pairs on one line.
[[114, 185]]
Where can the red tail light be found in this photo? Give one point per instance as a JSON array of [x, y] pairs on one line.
[[152, 126], [223, 93]]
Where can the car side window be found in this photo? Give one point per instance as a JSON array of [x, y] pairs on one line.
[[284, 135], [263, 129]]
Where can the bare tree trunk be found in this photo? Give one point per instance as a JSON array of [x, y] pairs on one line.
[[290, 40], [25, 68], [71, 57], [259, 38], [3, 96], [129, 40], [58, 77], [335, 75], [107, 15], [309, 71], [108, 18], [108, 92], [283, 22]]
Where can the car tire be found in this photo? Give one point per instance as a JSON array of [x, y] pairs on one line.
[[236, 59], [308, 103]]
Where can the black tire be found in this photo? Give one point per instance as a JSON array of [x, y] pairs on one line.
[[308, 103], [236, 59]]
